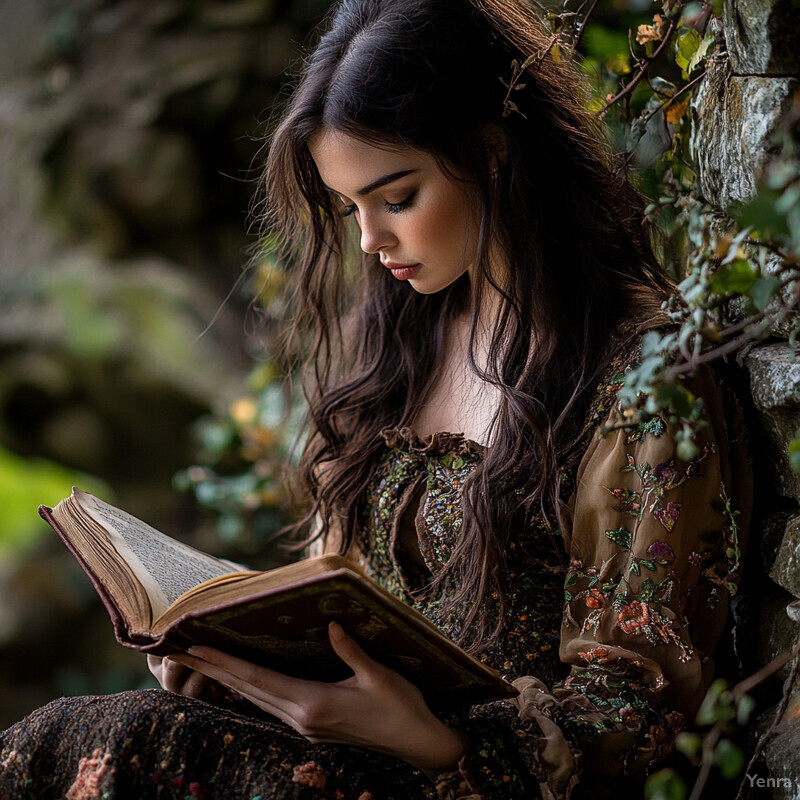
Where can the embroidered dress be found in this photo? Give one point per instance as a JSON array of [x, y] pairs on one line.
[[610, 626]]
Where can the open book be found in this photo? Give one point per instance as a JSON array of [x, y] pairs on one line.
[[164, 596]]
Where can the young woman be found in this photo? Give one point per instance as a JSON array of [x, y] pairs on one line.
[[459, 371]]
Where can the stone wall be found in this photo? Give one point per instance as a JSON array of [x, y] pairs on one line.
[[736, 111]]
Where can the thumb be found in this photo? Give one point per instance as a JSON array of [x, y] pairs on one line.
[[348, 649]]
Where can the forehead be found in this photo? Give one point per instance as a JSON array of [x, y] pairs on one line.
[[346, 163]]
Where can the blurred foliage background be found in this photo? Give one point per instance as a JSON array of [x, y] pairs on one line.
[[130, 138], [129, 150]]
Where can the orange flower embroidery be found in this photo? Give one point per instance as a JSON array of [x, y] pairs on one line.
[[634, 617], [87, 782], [594, 599], [310, 774], [597, 655]]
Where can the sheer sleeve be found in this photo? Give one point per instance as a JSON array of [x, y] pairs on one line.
[[655, 546]]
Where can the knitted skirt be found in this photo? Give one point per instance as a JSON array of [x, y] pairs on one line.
[[155, 744]]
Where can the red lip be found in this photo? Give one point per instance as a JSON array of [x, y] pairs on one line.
[[396, 265], [402, 272]]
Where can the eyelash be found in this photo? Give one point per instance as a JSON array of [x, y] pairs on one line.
[[391, 208], [396, 208]]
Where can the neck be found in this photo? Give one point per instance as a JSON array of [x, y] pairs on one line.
[[489, 306]]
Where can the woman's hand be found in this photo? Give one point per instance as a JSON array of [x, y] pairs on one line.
[[376, 708], [175, 677]]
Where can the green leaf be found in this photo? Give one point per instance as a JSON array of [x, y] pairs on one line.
[[651, 344], [763, 290], [621, 536], [737, 277], [716, 704], [744, 708], [689, 744], [709, 40], [762, 214], [675, 399], [600, 43], [24, 484], [730, 759], [665, 784], [686, 45], [793, 451]]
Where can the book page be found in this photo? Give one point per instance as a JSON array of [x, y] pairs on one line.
[[166, 567]]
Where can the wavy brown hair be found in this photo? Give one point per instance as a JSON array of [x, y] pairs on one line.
[[427, 74]]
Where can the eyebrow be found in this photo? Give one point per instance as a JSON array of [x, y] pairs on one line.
[[382, 181]]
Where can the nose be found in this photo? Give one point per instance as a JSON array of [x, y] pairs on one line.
[[376, 235]]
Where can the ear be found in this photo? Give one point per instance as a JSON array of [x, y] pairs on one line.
[[496, 141]]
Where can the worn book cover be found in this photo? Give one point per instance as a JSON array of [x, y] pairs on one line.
[[164, 596]]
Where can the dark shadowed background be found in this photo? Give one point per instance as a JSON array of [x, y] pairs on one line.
[[129, 147]]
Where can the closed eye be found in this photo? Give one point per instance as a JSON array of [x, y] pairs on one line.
[[396, 208]]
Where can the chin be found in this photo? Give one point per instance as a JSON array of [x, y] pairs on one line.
[[431, 287], [423, 288]]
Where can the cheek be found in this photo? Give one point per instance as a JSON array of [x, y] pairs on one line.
[[448, 223]]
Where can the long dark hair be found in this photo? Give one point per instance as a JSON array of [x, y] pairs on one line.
[[427, 74]]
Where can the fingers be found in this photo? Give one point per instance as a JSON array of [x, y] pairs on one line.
[[173, 675], [154, 665], [176, 677], [226, 668], [349, 651], [252, 682], [195, 685]]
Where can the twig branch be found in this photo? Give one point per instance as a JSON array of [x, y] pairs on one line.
[[738, 692], [748, 684], [634, 82], [780, 711], [767, 246], [579, 35], [709, 745], [674, 97], [691, 364]]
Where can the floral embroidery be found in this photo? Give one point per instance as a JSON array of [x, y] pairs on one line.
[[633, 617], [656, 622], [621, 536], [597, 655], [668, 515], [629, 502], [655, 482], [594, 599], [634, 585], [661, 592], [90, 772], [654, 427], [727, 567], [310, 774], [660, 555]]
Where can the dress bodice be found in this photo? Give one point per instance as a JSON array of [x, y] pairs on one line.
[[411, 520]]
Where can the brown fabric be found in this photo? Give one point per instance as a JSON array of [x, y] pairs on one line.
[[655, 547]]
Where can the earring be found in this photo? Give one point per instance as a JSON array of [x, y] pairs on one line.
[[495, 174]]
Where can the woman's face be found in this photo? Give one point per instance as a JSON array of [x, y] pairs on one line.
[[422, 224]]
